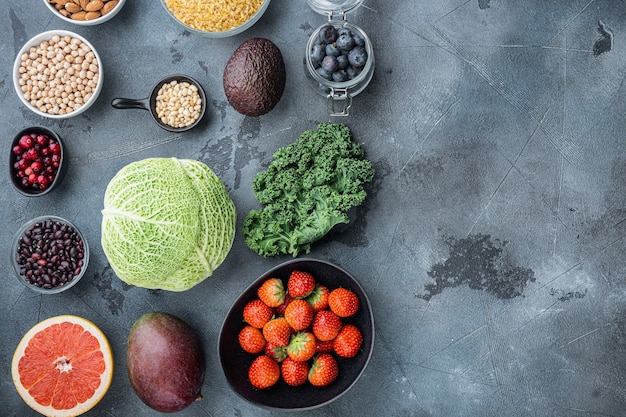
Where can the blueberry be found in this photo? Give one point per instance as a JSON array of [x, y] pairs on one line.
[[328, 34], [320, 71], [344, 31], [342, 61], [340, 76], [331, 50], [353, 72], [357, 56], [345, 42], [329, 64], [317, 54], [358, 40]]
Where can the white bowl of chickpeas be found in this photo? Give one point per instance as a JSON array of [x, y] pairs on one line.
[[85, 12], [216, 18], [58, 74]]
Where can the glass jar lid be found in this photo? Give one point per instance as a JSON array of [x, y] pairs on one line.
[[333, 7]]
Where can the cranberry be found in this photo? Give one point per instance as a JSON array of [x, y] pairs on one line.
[[37, 167], [42, 140], [26, 142], [17, 150], [22, 164], [31, 154], [43, 182], [32, 178], [55, 148]]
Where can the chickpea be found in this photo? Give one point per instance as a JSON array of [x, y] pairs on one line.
[[53, 74]]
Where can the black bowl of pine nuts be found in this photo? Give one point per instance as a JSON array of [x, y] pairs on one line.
[[177, 103], [49, 254], [58, 74]]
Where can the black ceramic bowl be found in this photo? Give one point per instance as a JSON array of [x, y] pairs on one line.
[[235, 361], [150, 103], [33, 190]]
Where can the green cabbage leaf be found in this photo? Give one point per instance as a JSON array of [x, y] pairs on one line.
[[167, 223]]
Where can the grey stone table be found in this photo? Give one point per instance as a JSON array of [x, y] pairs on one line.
[[492, 240]]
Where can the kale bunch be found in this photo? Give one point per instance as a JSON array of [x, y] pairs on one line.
[[307, 189]]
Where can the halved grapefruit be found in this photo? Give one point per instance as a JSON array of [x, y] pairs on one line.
[[63, 366]]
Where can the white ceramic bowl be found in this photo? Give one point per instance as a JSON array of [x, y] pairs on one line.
[[93, 22], [18, 259], [225, 33], [37, 40]]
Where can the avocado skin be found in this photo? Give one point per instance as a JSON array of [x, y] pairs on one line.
[[254, 77]]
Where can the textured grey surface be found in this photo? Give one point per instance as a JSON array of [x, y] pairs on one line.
[[492, 241]]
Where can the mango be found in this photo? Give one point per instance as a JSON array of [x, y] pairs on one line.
[[165, 362]]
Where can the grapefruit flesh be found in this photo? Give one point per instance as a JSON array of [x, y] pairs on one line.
[[63, 366]]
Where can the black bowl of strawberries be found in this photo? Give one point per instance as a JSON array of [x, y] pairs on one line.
[[37, 161], [299, 337]]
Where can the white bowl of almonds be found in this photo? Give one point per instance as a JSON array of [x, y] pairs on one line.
[[58, 74], [85, 12]]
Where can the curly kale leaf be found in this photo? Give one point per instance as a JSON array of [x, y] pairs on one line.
[[306, 191]]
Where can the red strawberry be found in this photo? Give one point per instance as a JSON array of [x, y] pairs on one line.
[[256, 313], [278, 353], [325, 346], [326, 325], [299, 314], [251, 339], [348, 341], [301, 347], [343, 302], [294, 372], [300, 284], [277, 331], [280, 310], [272, 292], [319, 297], [324, 370], [264, 372]]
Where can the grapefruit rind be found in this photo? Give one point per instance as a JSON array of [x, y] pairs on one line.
[[105, 377]]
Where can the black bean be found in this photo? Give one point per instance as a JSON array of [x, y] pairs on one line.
[[50, 254]]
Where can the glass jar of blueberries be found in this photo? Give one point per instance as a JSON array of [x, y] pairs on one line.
[[339, 57]]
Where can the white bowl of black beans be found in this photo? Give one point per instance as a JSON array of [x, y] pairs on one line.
[[49, 254]]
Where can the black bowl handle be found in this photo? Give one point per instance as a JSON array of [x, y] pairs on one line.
[[131, 103]]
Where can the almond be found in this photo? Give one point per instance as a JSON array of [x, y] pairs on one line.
[[59, 6], [92, 15], [61, 2], [94, 5], [108, 6], [84, 3], [72, 7], [78, 16]]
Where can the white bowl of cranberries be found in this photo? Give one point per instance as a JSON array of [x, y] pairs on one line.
[[299, 337], [37, 161]]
